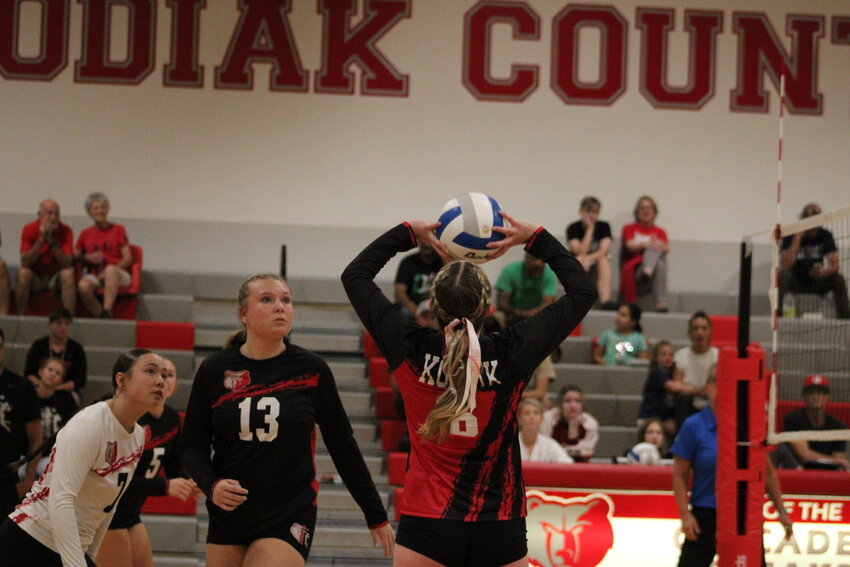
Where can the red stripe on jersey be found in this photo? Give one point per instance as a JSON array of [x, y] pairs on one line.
[[119, 464], [531, 240], [509, 496], [310, 381], [49, 466], [18, 518], [483, 482], [162, 439], [40, 495], [410, 232]]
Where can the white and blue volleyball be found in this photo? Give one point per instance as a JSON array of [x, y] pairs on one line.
[[644, 454], [466, 226]]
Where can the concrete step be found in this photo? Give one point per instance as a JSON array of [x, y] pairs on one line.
[[594, 379], [89, 332], [215, 313], [324, 342], [163, 307], [614, 440]]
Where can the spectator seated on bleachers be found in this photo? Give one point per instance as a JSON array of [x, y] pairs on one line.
[[659, 389], [589, 239], [649, 449], [625, 343], [535, 447], [47, 258], [59, 344], [692, 366], [5, 285], [813, 416], [414, 277], [573, 428], [107, 257], [643, 255]]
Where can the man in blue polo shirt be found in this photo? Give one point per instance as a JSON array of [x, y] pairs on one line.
[[695, 450]]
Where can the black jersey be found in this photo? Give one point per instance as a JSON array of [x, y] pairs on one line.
[[474, 475], [259, 416], [162, 436], [55, 413]]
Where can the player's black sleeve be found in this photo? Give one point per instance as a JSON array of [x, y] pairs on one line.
[[339, 439], [537, 336], [173, 463], [198, 434], [381, 318]]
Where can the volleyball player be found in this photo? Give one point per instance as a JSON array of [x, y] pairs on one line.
[[127, 544], [63, 519], [461, 392], [257, 403]]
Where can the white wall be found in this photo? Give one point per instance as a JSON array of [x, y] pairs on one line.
[[217, 158]]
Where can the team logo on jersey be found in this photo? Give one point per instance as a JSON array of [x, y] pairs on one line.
[[235, 380], [301, 533], [574, 532], [111, 452]]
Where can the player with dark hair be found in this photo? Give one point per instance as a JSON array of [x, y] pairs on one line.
[[461, 393], [127, 544], [63, 519], [256, 404]]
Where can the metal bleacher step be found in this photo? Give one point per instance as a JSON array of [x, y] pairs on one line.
[[315, 340]]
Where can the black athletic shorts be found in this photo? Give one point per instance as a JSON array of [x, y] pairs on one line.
[[125, 519], [297, 531], [464, 544], [20, 549]]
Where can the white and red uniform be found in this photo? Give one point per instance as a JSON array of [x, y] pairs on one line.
[[69, 508]]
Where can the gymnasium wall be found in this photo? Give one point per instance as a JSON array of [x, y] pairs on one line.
[[221, 130]]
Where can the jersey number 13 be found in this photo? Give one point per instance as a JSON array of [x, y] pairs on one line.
[[270, 408]]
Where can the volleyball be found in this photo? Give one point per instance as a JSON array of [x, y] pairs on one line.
[[644, 454], [466, 226]]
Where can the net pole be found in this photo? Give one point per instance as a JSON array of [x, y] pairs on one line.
[[744, 297]]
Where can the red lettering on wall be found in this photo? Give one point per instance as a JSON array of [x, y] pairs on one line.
[[477, 49], [841, 30], [761, 52], [183, 69], [702, 28], [343, 46], [96, 66], [612, 57], [262, 35], [53, 55]]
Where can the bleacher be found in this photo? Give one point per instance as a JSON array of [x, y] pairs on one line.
[[186, 316]]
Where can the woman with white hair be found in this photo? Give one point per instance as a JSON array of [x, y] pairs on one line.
[[105, 252]]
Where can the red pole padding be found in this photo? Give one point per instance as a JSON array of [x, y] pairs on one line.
[[740, 486]]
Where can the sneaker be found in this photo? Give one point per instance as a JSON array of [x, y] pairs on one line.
[[105, 314]]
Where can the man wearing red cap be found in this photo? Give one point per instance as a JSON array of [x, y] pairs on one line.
[[813, 416]]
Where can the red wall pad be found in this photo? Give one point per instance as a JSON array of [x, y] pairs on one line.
[[379, 372], [165, 335], [396, 468], [741, 391], [169, 505]]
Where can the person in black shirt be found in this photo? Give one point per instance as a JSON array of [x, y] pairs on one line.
[[256, 404], [813, 417], [414, 277], [58, 344], [126, 543], [461, 393], [590, 240], [20, 431], [809, 261]]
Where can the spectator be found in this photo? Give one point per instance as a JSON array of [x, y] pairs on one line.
[[625, 343], [414, 277], [692, 365], [695, 454], [47, 258], [107, 257], [650, 446], [643, 255], [20, 431], [813, 417], [589, 240], [533, 446], [576, 430], [659, 389], [5, 286], [809, 262], [524, 288], [59, 344], [57, 407]]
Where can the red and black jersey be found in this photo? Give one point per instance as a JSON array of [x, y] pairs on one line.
[[259, 417], [474, 476], [162, 436]]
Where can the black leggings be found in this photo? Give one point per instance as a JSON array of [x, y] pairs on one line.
[[20, 549]]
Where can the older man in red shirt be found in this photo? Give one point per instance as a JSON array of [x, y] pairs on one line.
[[47, 254]]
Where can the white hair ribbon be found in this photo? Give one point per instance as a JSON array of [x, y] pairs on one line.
[[473, 363]]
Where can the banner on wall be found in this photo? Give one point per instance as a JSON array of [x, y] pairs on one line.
[[613, 528]]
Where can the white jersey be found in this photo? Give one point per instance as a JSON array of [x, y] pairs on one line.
[[694, 368], [69, 508], [545, 450]]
